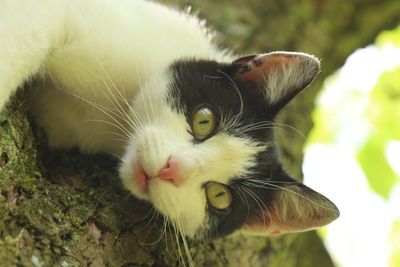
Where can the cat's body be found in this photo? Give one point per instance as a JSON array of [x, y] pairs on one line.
[[104, 70], [71, 43]]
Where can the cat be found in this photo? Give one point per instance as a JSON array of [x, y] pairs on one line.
[[192, 124]]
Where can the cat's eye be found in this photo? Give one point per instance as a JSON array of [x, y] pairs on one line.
[[203, 123], [218, 195]]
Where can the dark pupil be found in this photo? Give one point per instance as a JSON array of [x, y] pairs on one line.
[[203, 122], [220, 194]]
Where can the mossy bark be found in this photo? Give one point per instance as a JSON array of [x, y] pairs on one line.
[[61, 208]]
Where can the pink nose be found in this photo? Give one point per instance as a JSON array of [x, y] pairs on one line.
[[169, 172]]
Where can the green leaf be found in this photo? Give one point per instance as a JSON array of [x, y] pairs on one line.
[[373, 162], [324, 130], [389, 37], [395, 244], [384, 108], [383, 112]]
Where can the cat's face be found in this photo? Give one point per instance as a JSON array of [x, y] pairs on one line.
[[204, 153]]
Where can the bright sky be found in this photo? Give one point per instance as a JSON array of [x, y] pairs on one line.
[[360, 237]]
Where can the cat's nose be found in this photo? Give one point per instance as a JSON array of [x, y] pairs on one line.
[[170, 173]]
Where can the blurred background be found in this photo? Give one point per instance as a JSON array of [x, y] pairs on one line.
[[350, 116], [355, 146]]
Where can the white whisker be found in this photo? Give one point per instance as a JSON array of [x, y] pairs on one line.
[[123, 97], [238, 116], [114, 101], [123, 137], [112, 154], [185, 244], [148, 97], [294, 192], [292, 128], [144, 99], [118, 126], [260, 203], [109, 113], [176, 231], [242, 197]]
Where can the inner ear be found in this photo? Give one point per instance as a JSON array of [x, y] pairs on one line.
[[279, 75], [294, 208]]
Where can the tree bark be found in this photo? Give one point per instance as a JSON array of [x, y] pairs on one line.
[[61, 208]]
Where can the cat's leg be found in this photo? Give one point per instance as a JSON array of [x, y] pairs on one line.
[[29, 30]]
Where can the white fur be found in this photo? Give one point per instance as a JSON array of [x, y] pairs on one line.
[[99, 67], [72, 43]]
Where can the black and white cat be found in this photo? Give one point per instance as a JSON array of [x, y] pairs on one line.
[[196, 122]]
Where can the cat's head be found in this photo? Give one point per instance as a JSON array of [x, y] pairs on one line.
[[204, 152]]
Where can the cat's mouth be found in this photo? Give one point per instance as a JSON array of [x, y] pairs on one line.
[[142, 178]]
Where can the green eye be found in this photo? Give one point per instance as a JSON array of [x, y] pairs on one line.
[[218, 195], [203, 123]]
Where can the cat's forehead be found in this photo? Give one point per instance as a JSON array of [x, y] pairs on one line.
[[201, 81]]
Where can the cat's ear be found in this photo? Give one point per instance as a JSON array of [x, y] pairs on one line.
[[279, 75], [295, 208]]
